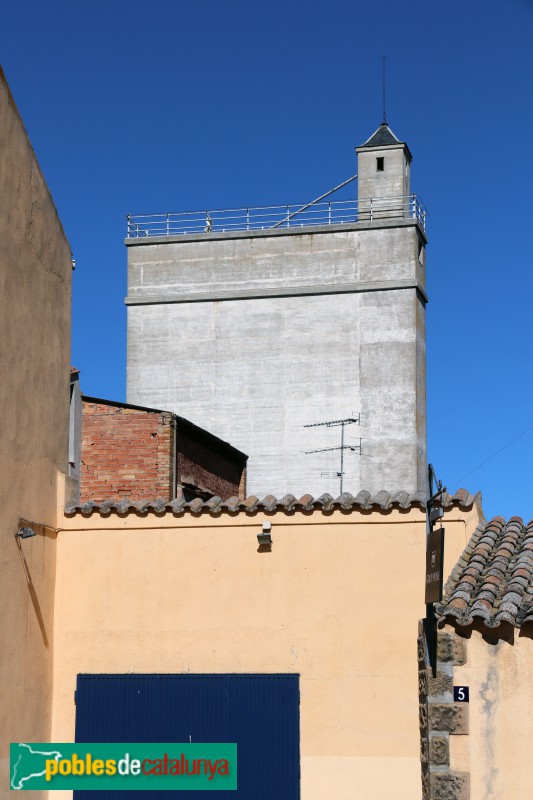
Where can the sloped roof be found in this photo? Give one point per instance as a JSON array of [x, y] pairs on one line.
[[364, 501], [184, 424], [382, 137], [493, 579]]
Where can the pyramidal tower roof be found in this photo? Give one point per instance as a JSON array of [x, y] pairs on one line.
[[382, 137]]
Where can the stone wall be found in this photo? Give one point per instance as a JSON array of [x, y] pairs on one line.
[[440, 717]]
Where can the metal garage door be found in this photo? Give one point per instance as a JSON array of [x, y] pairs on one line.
[[258, 712]]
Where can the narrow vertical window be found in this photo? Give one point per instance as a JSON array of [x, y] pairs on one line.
[[380, 161]]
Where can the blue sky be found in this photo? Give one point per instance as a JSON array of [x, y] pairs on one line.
[[183, 105]]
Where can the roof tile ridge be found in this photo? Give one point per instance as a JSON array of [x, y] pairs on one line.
[[517, 599], [325, 502], [232, 503], [306, 502], [460, 571], [214, 504], [269, 502], [383, 499], [344, 501], [495, 575], [288, 502], [464, 579], [401, 498]]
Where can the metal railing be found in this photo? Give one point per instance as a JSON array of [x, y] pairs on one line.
[[264, 218]]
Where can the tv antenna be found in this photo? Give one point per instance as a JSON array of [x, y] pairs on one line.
[[355, 448]]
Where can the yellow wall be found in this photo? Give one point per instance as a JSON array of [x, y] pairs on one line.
[[337, 601], [497, 750], [35, 279]]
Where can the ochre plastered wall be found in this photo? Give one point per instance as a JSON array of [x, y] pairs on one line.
[[35, 281], [336, 600], [497, 750]]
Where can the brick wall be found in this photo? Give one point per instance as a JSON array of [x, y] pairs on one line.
[[128, 452], [125, 453]]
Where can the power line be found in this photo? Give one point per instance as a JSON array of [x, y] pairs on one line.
[[456, 483]]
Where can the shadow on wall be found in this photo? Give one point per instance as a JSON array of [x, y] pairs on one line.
[[50, 534]]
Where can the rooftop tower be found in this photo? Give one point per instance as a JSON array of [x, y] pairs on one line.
[[258, 324]]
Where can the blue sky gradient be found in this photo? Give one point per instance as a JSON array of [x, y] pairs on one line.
[[182, 105]]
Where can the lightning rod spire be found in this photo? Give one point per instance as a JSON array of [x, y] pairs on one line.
[[384, 103]]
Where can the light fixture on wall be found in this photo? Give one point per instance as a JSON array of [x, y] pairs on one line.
[[25, 533], [264, 536]]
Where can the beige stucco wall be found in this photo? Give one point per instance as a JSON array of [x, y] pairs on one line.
[[336, 600], [35, 279], [497, 750]]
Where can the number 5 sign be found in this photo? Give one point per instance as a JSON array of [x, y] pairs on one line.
[[461, 694]]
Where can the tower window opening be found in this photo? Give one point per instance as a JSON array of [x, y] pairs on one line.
[[380, 164]]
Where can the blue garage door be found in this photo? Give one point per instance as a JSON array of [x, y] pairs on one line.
[[258, 712]]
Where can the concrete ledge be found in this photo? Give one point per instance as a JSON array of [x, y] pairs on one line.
[[289, 291], [392, 222]]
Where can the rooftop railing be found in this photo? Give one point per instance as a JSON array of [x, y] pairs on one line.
[[267, 218]]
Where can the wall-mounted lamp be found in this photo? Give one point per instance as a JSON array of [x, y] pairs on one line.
[[264, 536], [25, 533]]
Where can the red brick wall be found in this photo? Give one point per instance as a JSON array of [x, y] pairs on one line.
[[125, 453]]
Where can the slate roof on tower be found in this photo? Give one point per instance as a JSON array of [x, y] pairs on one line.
[[382, 137]]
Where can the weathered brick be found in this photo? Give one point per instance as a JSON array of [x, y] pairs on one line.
[[451, 717], [129, 453]]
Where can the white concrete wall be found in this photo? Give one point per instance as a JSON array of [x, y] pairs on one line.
[[254, 336], [393, 181]]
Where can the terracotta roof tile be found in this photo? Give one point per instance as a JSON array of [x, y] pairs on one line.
[[493, 579], [383, 501]]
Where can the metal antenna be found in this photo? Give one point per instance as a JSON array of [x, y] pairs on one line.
[[384, 104], [333, 423]]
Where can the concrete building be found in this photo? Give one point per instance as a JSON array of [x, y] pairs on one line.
[[35, 292], [257, 323]]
